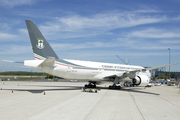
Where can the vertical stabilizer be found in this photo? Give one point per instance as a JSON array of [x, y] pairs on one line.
[[40, 46]]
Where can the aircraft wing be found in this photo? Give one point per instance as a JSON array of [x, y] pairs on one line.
[[132, 73], [152, 68], [145, 69]]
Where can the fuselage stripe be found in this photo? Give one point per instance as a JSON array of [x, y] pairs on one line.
[[39, 57]]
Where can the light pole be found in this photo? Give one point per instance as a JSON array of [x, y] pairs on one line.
[[169, 60]]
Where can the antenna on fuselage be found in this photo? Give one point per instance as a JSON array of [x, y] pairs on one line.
[[121, 59], [127, 62]]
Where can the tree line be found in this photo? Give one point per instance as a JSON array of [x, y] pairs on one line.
[[23, 73]]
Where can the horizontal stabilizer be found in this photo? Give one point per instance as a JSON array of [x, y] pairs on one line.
[[13, 61], [49, 62]]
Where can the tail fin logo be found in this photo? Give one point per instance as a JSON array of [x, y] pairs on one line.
[[40, 44]]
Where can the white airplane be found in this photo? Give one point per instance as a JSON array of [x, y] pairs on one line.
[[94, 72]]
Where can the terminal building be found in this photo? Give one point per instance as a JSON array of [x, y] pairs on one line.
[[158, 72]]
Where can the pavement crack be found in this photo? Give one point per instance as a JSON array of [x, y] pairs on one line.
[[133, 98], [168, 102], [96, 104]]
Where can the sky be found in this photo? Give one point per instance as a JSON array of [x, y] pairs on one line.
[[93, 30]]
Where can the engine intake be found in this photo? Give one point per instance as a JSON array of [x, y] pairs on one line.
[[141, 80]]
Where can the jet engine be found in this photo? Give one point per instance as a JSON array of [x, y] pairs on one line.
[[141, 80]]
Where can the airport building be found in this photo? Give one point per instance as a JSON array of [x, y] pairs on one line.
[[158, 72]]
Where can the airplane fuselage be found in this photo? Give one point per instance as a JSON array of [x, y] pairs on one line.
[[86, 71]]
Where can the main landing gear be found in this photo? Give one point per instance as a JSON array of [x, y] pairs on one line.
[[115, 87], [90, 85]]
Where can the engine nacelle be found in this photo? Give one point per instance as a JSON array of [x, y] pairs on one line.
[[141, 80]]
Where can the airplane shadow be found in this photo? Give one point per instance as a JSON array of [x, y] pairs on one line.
[[130, 89], [60, 88], [42, 90]]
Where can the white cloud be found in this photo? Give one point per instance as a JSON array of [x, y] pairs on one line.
[[157, 47], [81, 26], [122, 43], [170, 41], [11, 49], [154, 33], [176, 18], [23, 32], [6, 36], [19, 36], [84, 45], [147, 44], [148, 10], [12, 3]]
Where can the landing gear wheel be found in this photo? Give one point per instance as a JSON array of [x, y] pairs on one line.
[[90, 85], [85, 86], [114, 87]]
